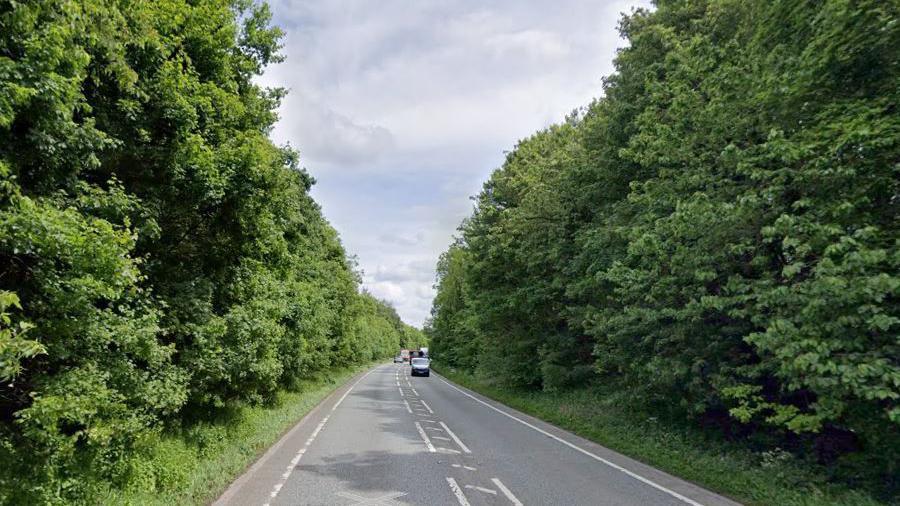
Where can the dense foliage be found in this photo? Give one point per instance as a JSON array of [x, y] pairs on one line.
[[160, 258], [718, 235]]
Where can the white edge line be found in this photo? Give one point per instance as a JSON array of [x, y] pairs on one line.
[[425, 438], [509, 495], [290, 469], [582, 450], [254, 468], [457, 492], [455, 439]]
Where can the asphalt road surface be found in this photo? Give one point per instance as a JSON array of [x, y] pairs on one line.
[[386, 438]]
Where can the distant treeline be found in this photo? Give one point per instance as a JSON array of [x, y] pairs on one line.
[[718, 235], [160, 257]]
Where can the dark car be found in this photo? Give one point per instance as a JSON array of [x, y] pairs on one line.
[[419, 367]]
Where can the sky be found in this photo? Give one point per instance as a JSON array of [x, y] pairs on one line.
[[402, 109]]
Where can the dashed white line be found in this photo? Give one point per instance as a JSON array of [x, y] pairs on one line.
[[579, 449], [455, 439], [509, 495], [482, 489], [460, 497], [425, 438]]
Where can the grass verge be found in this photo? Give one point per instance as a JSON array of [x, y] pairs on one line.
[[726, 467], [195, 464]]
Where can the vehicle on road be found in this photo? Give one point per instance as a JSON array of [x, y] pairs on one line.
[[419, 367], [398, 359], [404, 354]]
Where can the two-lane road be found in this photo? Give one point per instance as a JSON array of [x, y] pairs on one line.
[[387, 439]]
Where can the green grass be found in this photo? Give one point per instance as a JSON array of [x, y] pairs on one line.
[[194, 465], [727, 467]]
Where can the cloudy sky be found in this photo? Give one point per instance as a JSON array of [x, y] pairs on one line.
[[401, 109]]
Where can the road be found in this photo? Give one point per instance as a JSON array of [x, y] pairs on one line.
[[385, 438]]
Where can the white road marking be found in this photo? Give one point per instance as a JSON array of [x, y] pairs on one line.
[[401, 392], [426, 406], [414, 391], [509, 495], [312, 437], [442, 438], [425, 438], [460, 497], [580, 449], [455, 439], [407, 406], [450, 450], [482, 489], [373, 501], [465, 467], [434, 428]]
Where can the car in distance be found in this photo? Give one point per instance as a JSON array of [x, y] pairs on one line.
[[398, 359], [419, 367]]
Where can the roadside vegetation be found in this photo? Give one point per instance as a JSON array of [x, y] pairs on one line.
[[197, 462], [714, 244], [163, 268]]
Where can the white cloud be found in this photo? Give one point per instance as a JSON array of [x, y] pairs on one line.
[[400, 109]]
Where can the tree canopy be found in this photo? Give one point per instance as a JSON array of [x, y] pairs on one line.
[[717, 235], [160, 257]]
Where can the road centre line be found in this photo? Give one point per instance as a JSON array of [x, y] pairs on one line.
[[425, 438], [455, 439], [509, 495], [582, 450], [460, 497]]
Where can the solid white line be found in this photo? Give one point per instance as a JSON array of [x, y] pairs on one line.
[[509, 495], [414, 391], [482, 489], [407, 406], [426, 406], [457, 492], [582, 450], [450, 450], [456, 439], [425, 438]]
